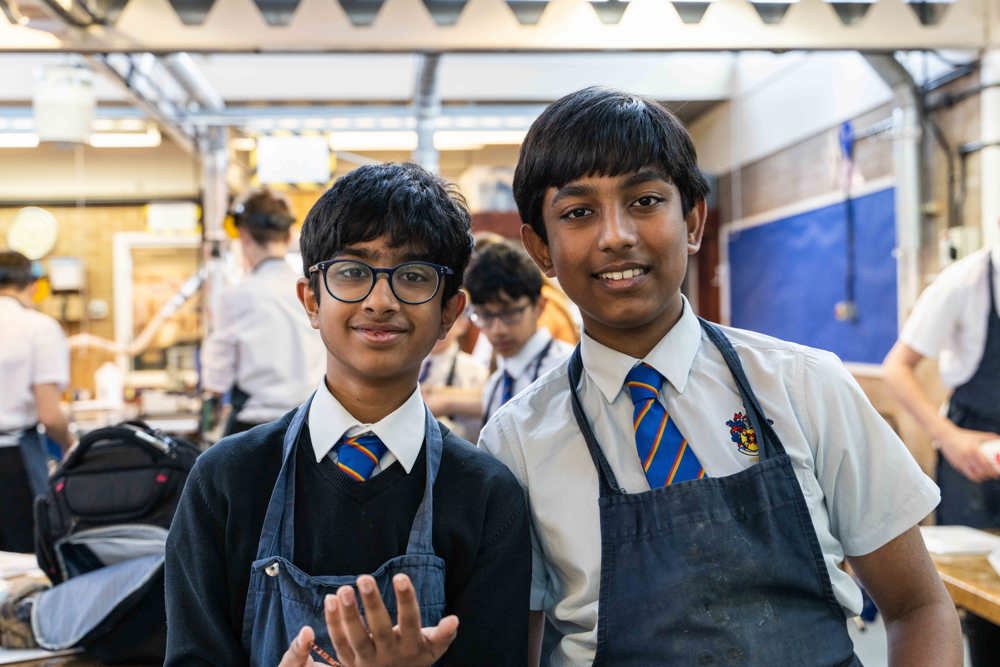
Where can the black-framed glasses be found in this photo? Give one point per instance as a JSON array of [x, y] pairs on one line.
[[485, 319], [351, 280]]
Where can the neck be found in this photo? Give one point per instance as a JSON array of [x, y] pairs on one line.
[[255, 254], [637, 341], [368, 404], [19, 296]]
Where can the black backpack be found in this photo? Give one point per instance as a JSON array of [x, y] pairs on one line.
[[102, 524]]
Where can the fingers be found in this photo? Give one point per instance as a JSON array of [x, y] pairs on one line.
[[297, 654], [353, 625], [379, 622], [407, 612], [440, 637], [335, 628]]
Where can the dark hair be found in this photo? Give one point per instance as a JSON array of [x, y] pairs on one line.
[[15, 270], [403, 202], [603, 132], [266, 215], [502, 269]]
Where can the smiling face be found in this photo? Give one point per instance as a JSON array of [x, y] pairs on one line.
[[378, 342], [619, 246]]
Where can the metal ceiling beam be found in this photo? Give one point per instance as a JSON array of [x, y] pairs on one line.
[[128, 76], [564, 25]]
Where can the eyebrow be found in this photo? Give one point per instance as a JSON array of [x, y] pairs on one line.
[[376, 255], [580, 190]]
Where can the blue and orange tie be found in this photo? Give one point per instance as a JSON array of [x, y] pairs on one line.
[[663, 451], [357, 456], [507, 389]]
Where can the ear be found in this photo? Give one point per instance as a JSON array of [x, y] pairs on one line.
[[453, 307], [696, 225], [308, 300], [538, 249]]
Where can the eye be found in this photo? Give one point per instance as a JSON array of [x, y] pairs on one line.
[[575, 213], [648, 200], [352, 272], [414, 274]]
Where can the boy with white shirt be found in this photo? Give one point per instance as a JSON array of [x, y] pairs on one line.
[[694, 488], [505, 289], [359, 488], [957, 320]]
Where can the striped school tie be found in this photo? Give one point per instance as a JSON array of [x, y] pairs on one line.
[[507, 391], [663, 451], [357, 456]]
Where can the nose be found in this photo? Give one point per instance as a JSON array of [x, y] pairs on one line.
[[617, 230], [381, 298]]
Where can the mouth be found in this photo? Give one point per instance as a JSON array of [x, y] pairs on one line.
[[624, 276], [379, 333]]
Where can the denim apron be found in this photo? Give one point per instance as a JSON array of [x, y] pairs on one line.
[[35, 457], [281, 598], [716, 571], [975, 405]]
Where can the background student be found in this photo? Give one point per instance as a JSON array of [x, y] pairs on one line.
[[34, 365], [957, 321], [698, 502], [505, 289], [361, 479], [451, 382], [261, 349]]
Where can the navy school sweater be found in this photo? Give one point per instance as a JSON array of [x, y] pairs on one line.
[[342, 527]]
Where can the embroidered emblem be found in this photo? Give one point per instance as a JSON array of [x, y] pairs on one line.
[[741, 433]]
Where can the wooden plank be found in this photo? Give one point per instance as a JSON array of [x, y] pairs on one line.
[[972, 583]]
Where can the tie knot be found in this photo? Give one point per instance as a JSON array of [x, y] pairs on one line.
[[643, 383], [358, 455]]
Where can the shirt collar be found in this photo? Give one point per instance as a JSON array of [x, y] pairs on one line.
[[517, 364], [673, 356], [402, 430]]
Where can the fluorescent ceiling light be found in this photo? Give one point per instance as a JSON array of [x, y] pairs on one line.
[[148, 139], [406, 140], [18, 140], [382, 140], [445, 140]]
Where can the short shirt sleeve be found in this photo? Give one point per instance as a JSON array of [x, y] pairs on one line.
[[496, 440], [50, 351], [934, 317], [874, 489]]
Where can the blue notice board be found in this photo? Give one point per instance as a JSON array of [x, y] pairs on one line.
[[787, 275]]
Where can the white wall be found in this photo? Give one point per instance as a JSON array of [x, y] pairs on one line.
[[779, 100]]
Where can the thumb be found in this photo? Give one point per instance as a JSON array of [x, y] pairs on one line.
[[297, 654], [440, 637]]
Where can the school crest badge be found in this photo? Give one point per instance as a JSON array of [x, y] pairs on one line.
[[742, 433]]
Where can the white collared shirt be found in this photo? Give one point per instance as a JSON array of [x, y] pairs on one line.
[[263, 343], [468, 372], [33, 351], [861, 485], [525, 367], [948, 321], [401, 431]]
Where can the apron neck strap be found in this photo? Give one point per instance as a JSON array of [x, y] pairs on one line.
[[608, 481], [767, 439], [277, 536]]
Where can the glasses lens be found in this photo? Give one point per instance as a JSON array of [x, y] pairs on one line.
[[415, 283], [348, 281]]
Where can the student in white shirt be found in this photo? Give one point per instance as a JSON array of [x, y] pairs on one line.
[[771, 466], [957, 321], [262, 349], [505, 289], [34, 370], [451, 382]]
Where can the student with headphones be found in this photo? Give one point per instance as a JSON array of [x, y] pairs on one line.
[[262, 349], [34, 365]]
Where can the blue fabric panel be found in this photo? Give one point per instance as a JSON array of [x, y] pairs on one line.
[[787, 275]]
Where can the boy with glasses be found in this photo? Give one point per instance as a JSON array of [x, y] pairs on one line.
[[360, 488], [505, 288]]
